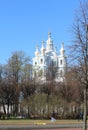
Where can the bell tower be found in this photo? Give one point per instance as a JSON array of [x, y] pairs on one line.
[[49, 43]]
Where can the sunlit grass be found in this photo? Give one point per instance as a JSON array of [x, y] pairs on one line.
[[29, 122]]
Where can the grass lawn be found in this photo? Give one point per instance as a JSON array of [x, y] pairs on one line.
[[37, 122]]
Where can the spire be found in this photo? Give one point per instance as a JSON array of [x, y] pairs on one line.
[[36, 47], [42, 44], [62, 51], [42, 48], [49, 43], [49, 35], [62, 45], [37, 51]]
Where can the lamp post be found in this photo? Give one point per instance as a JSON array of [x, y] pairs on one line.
[[86, 84]]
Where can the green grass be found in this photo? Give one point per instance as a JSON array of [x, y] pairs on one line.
[[24, 122]]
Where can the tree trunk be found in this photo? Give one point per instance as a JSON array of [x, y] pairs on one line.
[[85, 109], [4, 108]]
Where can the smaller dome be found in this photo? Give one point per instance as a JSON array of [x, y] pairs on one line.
[[36, 53]]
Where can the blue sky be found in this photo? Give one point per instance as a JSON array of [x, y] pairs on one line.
[[25, 23]]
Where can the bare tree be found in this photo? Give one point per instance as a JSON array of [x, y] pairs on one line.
[[14, 69], [16, 63], [79, 49], [8, 94]]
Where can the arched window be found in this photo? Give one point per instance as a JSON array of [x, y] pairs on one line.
[[41, 61], [60, 62], [35, 63]]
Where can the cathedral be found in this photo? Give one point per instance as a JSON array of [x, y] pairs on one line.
[[47, 57]]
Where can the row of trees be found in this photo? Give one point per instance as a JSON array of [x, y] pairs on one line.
[[12, 75], [20, 94]]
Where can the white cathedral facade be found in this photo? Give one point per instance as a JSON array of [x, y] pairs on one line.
[[45, 57]]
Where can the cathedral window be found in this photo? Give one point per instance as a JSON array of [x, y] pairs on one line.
[[35, 63], [60, 62], [41, 61]]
